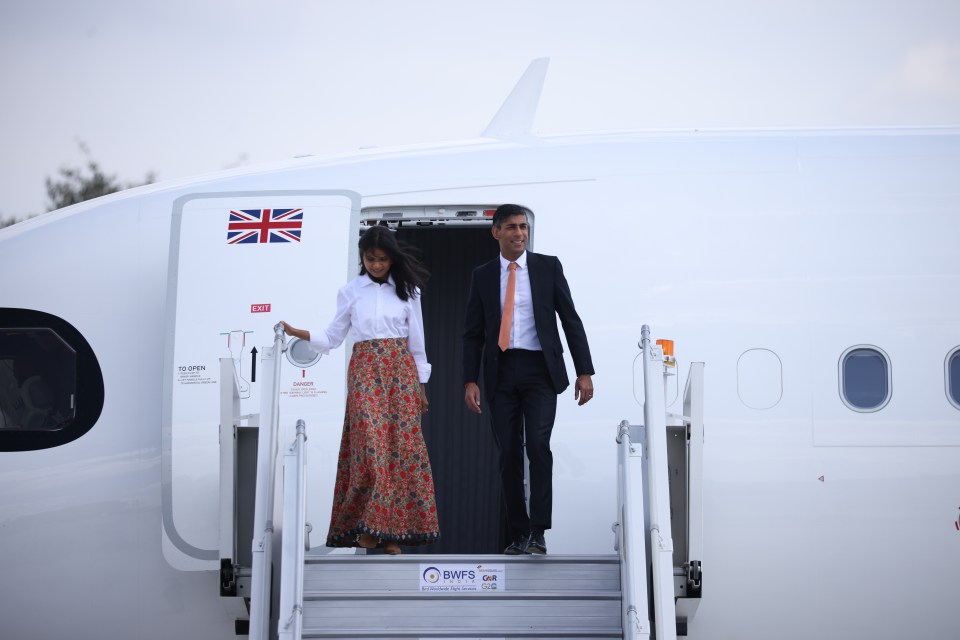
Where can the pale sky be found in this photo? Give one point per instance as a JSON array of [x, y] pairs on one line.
[[183, 87]]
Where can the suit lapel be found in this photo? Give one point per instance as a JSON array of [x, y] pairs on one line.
[[540, 282], [491, 285], [537, 278]]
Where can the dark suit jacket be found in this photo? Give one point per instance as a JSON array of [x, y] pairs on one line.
[[551, 298]]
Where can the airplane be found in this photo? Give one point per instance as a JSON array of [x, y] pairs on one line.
[[814, 273]]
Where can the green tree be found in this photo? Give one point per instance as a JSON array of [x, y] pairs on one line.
[[6, 222], [77, 184]]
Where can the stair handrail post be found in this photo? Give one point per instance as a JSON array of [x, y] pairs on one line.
[[294, 537], [260, 579], [661, 539], [635, 613], [229, 418], [693, 407]]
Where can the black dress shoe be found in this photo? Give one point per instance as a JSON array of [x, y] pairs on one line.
[[536, 544], [518, 546]]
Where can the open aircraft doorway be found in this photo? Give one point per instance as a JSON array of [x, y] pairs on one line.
[[452, 240]]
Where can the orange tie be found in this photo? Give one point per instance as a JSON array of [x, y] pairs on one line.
[[506, 320]]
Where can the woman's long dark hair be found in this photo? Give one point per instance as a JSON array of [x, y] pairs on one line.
[[408, 272]]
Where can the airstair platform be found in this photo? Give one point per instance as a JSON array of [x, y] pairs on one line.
[[385, 597], [649, 589]]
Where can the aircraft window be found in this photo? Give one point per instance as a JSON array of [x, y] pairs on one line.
[[38, 379], [51, 387], [865, 378], [953, 377]]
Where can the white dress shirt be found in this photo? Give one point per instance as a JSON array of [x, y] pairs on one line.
[[523, 331], [370, 310]]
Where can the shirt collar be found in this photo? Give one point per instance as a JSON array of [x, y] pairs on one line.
[[366, 280], [521, 261]]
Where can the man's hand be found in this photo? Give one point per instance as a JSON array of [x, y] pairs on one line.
[[583, 389], [471, 397]]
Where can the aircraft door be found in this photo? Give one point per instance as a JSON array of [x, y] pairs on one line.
[[240, 263]]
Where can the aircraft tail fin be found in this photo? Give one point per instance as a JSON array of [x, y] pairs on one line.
[[513, 122]]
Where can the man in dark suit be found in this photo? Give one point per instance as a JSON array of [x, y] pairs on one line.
[[511, 327]]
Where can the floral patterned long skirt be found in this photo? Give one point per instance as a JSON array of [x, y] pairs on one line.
[[384, 483]]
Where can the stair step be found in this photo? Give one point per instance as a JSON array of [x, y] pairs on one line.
[[462, 613], [337, 573], [376, 596], [443, 633], [398, 596]]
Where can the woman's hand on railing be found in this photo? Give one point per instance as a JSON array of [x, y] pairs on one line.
[[303, 334]]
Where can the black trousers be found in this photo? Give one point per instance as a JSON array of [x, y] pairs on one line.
[[524, 407]]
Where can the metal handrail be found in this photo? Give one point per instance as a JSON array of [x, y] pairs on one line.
[[260, 578], [635, 624], [658, 490], [294, 536]]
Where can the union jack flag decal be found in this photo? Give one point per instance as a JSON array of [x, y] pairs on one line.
[[249, 226]]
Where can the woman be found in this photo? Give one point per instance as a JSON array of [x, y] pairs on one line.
[[384, 490]]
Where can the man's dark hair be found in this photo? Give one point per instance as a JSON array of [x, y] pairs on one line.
[[408, 272], [505, 211]]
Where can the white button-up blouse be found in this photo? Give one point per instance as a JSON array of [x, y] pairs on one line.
[[370, 310]]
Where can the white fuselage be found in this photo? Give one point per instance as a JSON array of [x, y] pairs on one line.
[[765, 255]]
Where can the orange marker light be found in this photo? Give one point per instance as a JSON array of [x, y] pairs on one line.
[[667, 346]]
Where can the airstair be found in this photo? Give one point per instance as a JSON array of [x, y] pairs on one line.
[[652, 574]]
